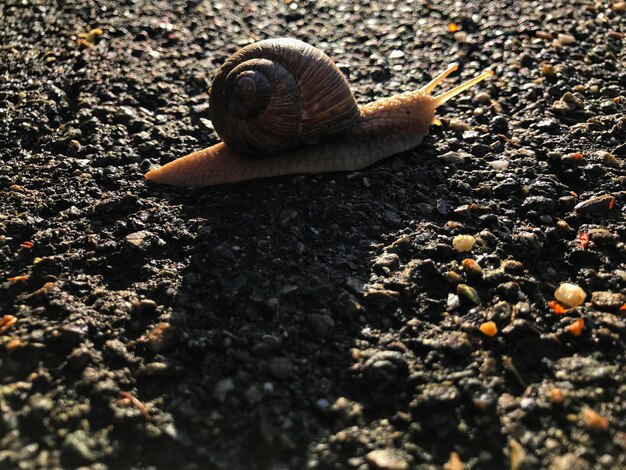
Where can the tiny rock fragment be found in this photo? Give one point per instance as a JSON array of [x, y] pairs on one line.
[[468, 293], [47, 286], [576, 328], [607, 157], [517, 454], [90, 36], [470, 266], [500, 165], [161, 337], [457, 125], [489, 328], [460, 36], [387, 459], [569, 461], [608, 301], [556, 395], [563, 225], [595, 205], [557, 307], [453, 277], [454, 462], [565, 39], [13, 344], [594, 421], [6, 322], [138, 239], [463, 243], [570, 295]]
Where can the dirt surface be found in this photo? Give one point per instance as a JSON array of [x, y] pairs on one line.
[[321, 321]]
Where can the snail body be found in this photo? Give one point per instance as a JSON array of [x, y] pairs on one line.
[[282, 107]]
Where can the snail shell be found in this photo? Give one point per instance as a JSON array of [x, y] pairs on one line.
[[274, 94]]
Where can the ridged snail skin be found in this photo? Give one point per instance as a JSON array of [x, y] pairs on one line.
[[282, 107]]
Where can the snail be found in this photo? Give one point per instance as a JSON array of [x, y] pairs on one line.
[[282, 107]]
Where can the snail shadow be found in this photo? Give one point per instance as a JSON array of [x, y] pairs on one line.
[[270, 306]]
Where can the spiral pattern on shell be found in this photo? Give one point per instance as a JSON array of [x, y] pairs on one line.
[[275, 94]]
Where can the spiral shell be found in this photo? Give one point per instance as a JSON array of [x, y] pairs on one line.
[[275, 94]]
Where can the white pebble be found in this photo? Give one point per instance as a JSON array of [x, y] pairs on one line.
[[499, 164], [460, 36], [463, 243], [570, 295], [565, 39], [453, 302]]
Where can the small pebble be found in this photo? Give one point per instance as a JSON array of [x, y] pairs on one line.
[[489, 328], [499, 165], [500, 125], [608, 301], [468, 293], [457, 125], [548, 70], [460, 36], [453, 302], [607, 157], [594, 421], [619, 7], [387, 459], [463, 243], [570, 295], [73, 148], [566, 39], [595, 205]]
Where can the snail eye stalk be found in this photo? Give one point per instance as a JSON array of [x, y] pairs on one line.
[[426, 89], [441, 99]]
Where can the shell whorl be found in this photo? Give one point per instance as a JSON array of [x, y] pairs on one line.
[[275, 94]]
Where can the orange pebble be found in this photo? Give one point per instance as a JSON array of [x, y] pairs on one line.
[[489, 328], [576, 328], [6, 322], [13, 344], [593, 420], [556, 395], [557, 307]]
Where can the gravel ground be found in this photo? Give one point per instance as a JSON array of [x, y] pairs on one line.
[[312, 321]]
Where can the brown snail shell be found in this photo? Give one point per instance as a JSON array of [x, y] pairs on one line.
[[275, 94]]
